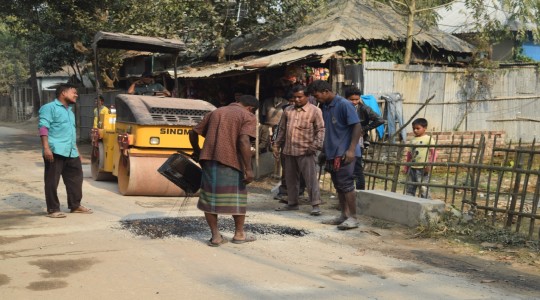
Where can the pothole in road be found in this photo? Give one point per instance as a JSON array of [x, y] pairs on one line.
[[157, 228]]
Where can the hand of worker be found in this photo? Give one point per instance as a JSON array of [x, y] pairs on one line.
[[48, 155], [311, 151], [347, 157], [275, 151], [248, 176], [196, 155], [322, 159]]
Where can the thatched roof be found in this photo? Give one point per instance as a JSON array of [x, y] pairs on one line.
[[350, 20]]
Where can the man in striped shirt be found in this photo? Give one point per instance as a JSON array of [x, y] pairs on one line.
[[301, 135]]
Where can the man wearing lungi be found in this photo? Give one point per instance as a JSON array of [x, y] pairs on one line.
[[225, 160]]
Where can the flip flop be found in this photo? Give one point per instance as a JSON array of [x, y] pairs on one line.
[[249, 238], [82, 210], [334, 221], [56, 215], [348, 224], [315, 212], [287, 208], [212, 244]]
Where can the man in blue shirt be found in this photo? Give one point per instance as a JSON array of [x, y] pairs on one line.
[[343, 131], [60, 154]]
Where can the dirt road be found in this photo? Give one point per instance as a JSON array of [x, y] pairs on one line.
[[93, 257]]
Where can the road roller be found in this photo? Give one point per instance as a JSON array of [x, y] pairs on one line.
[[138, 135], [136, 138]]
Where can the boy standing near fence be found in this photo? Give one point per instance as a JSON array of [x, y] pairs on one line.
[[419, 173]]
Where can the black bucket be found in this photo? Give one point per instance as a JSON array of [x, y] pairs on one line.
[[183, 171]]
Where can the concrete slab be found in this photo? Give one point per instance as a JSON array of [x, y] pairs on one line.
[[402, 209]]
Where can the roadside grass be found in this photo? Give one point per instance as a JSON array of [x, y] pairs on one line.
[[481, 235]]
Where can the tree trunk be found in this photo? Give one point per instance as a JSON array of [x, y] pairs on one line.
[[36, 101], [410, 29]]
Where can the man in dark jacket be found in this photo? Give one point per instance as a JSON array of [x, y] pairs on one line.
[[369, 120]]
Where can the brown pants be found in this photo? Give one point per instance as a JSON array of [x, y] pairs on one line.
[[70, 169], [305, 166]]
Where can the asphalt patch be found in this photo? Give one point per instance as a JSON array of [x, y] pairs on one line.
[[158, 228]]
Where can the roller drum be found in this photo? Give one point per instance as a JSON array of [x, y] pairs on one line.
[[138, 176], [97, 164]]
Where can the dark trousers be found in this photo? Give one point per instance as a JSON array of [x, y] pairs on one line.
[[283, 186], [70, 169], [359, 177], [297, 167]]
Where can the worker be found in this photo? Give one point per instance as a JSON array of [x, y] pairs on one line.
[[57, 130], [100, 109], [225, 159], [340, 151], [147, 86]]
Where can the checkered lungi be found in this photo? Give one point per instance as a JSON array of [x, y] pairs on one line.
[[222, 189]]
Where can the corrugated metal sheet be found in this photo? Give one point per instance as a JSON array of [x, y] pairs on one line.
[[114, 40], [352, 20], [250, 64], [378, 78], [511, 102], [455, 104]]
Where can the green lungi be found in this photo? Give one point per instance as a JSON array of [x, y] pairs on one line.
[[222, 189]]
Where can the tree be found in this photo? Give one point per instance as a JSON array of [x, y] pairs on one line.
[[416, 12], [45, 25], [12, 59], [62, 30], [422, 12]]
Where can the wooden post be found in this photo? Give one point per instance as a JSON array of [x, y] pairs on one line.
[[363, 56]]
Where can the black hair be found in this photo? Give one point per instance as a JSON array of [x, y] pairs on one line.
[[352, 91], [248, 100], [319, 86], [288, 95], [100, 97], [299, 88], [420, 121], [63, 87]]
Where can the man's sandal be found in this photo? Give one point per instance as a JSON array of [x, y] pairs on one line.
[[82, 210], [56, 215]]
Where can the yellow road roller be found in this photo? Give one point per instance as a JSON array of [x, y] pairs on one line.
[[134, 142], [141, 132]]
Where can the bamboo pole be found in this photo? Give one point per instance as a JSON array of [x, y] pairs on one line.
[[412, 118]]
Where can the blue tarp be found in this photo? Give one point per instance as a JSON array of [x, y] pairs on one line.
[[531, 50], [370, 101]]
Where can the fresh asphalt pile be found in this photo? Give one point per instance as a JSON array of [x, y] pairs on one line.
[[157, 228]]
